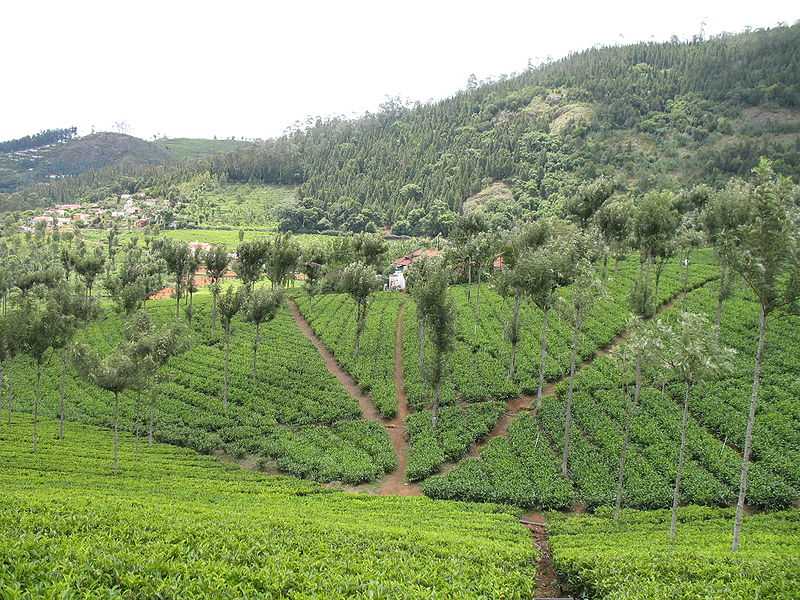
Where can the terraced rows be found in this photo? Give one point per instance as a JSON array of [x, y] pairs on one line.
[[294, 415]]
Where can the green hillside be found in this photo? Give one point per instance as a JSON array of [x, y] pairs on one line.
[[648, 116], [172, 524], [76, 156], [194, 148]]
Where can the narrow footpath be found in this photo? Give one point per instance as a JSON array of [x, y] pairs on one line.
[[368, 410], [394, 484], [547, 583], [526, 402]]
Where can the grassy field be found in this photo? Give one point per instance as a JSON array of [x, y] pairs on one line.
[[173, 524], [193, 148]]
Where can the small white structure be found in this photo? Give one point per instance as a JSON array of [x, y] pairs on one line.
[[397, 282]]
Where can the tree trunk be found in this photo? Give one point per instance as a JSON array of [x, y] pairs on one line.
[[676, 494], [151, 415], [626, 426], [256, 341], [748, 436], [9, 397], [570, 388], [61, 378], [421, 341], [469, 281], [720, 300], [605, 266], [213, 312], [361, 316], [225, 368], [36, 400], [542, 356], [659, 268], [1, 388], [514, 336], [116, 432], [478, 304], [437, 391]]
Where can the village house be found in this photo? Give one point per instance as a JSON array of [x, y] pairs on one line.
[[397, 280]]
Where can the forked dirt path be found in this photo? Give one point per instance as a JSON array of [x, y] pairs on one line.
[[526, 402], [394, 484]]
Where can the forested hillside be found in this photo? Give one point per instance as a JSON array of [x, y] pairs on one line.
[[649, 116]]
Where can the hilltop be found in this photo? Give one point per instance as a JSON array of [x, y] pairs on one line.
[[646, 116], [75, 156]]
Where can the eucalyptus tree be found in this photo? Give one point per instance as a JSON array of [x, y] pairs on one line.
[[587, 289], [614, 220], [88, 266], [690, 351], [466, 229], [251, 259], [359, 281], [115, 373], [262, 306], [312, 263], [419, 286], [369, 248], [513, 280], [112, 241], [687, 240], [9, 340], [42, 327], [435, 310], [216, 262], [283, 255], [656, 221], [178, 258], [761, 243], [195, 260], [75, 309], [230, 303], [484, 249], [581, 206], [642, 351], [138, 276], [151, 347]]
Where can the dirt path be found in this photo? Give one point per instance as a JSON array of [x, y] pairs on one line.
[[395, 483], [525, 402], [368, 410], [547, 584]]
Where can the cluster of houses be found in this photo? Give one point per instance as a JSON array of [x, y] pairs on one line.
[[132, 210]]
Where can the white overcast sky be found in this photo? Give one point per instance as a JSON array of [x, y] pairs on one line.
[[250, 68]]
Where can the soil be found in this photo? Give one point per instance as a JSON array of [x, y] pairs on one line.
[[395, 483], [547, 583]]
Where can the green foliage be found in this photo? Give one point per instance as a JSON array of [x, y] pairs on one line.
[[181, 525], [292, 395], [633, 559], [373, 368]]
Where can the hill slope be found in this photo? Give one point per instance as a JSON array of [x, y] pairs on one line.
[[76, 156], [649, 115]]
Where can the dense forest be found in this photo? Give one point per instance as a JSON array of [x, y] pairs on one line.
[[651, 115]]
